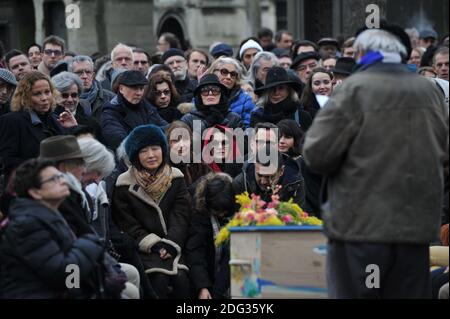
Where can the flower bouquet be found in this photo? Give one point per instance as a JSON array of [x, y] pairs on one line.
[[256, 212]]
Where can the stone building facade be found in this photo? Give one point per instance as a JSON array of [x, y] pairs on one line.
[[199, 23]]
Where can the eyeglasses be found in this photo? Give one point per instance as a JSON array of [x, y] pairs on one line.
[[161, 93], [54, 179], [225, 72], [81, 72], [214, 90], [50, 52], [67, 95]]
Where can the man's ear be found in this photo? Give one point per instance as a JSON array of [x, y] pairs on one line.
[[35, 193]]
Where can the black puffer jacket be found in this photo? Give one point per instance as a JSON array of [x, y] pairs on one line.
[[36, 248]]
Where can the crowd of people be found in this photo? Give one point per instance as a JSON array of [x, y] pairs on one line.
[[91, 176]]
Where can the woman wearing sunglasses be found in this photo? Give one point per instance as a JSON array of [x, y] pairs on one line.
[[70, 87], [162, 94], [230, 74], [212, 107]]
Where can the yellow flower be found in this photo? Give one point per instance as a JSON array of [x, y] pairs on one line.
[[271, 221], [312, 221], [222, 237], [234, 223], [244, 199]]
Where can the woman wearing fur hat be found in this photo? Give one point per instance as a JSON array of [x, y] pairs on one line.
[[213, 206], [212, 106], [151, 204]]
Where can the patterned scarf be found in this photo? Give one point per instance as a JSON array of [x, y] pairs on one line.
[[154, 185]]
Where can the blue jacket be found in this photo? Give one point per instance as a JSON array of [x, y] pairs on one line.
[[119, 118], [241, 103]]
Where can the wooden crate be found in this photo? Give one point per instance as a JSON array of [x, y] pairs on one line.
[[278, 262]]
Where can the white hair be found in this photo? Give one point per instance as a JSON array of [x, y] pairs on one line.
[[220, 62], [96, 156], [63, 82], [267, 56], [79, 59], [121, 46], [379, 40]]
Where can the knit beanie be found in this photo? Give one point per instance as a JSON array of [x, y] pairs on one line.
[[170, 53], [250, 44]]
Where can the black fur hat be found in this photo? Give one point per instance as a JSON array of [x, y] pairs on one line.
[[143, 136]]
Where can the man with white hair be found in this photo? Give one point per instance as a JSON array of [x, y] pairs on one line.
[[262, 63], [121, 58], [381, 142]]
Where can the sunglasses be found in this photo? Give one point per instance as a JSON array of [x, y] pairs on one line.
[[214, 90], [225, 72], [161, 93], [55, 52], [67, 95]]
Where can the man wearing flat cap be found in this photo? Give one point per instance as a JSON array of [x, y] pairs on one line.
[[128, 109], [8, 84], [328, 48], [427, 38], [176, 60]]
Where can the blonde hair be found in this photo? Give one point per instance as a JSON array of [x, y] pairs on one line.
[[21, 100]]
